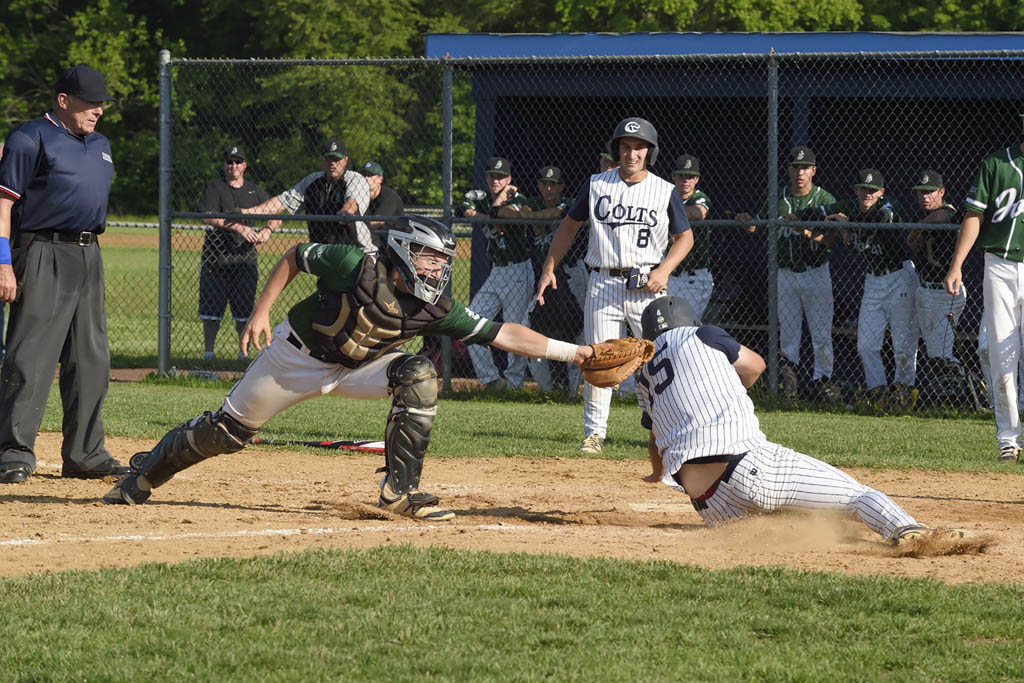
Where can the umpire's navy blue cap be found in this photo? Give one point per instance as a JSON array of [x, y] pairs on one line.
[[665, 313], [84, 82]]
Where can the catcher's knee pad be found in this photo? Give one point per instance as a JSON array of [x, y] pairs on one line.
[[202, 437], [412, 382]]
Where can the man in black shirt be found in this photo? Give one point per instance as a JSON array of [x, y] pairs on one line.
[[384, 201], [228, 270]]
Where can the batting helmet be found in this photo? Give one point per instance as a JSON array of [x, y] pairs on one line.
[[635, 127], [665, 313], [406, 239]]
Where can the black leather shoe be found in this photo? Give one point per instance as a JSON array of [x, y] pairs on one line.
[[110, 468], [15, 472]]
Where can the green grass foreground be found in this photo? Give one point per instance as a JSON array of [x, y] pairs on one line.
[[493, 428], [398, 613]]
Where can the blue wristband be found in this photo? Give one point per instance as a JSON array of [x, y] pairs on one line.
[[5, 251]]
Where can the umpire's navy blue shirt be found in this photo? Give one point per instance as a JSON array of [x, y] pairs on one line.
[[59, 181]]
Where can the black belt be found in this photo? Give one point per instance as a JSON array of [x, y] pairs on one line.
[[614, 272], [933, 285], [83, 239]]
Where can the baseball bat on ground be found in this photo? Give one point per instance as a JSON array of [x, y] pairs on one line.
[[363, 446]]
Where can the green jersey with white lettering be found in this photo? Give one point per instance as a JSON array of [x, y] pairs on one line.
[[883, 250], [506, 242], [998, 194], [797, 252], [700, 253]]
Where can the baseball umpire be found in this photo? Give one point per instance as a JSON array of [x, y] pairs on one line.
[[344, 339], [632, 213], [706, 440]]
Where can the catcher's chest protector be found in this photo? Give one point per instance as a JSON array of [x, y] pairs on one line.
[[355, 327]]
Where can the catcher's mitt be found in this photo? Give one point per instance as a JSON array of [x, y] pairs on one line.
[[615, 360]]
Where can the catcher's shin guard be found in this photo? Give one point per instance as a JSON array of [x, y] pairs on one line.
[[412, 382], [202, 437]]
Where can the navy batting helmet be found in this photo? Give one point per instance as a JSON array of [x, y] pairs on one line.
[[635, 127], [664, 313]]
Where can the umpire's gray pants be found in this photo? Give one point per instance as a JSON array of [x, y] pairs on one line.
[[59, 317]]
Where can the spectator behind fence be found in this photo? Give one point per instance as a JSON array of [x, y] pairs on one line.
[[889, 289], [228, 271], [633, 215], [332, 191], [805, 278], [938, 311], [55, 180], [509, 285], [691, 280], [384, 201], [994, 208], [564, 319]]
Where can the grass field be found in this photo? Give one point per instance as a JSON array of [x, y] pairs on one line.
[[404, 613]]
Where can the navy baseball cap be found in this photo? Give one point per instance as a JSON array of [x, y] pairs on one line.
[[335, 148], [372, 168], [551, 174], [84, 82], [499, 166], [234, 152], [929, 180], [687, 164], [870, 178], [802, 156]]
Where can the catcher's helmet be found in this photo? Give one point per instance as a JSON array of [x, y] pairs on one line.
[[664, 313], [408, 237], [635, 127]]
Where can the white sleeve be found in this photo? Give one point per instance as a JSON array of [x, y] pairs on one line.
[[292, 199], [357, 188]]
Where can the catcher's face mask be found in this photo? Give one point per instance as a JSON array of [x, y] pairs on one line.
[[422, 251]]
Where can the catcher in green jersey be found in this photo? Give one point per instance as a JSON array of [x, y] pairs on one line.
[[995, 205], [805, 277], [345, 340]]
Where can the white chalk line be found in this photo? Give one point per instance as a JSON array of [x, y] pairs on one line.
[[246, 533]]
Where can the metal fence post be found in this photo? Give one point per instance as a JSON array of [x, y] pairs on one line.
[[446, 200], [164, 174], [773, 226]]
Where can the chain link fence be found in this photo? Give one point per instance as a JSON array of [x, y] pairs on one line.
[[844, 303]]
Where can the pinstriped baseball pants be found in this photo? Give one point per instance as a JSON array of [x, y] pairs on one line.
[[772, 477]]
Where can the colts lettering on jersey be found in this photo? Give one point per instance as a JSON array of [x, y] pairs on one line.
[[623, 215]]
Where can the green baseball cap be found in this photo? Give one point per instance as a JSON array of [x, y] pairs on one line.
[[551, 174], [870, 178], [372, 168], [929, 180], [499, 166], [335, 148], [687, 164], [802, 156]]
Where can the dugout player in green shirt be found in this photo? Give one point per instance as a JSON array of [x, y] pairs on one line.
[[890, 284], [509, 285], [691, 280], [805, 278], [995, 204], [345, 340]]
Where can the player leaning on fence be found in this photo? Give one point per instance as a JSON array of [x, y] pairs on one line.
[[632, 214], [995, 219], [345, 340]]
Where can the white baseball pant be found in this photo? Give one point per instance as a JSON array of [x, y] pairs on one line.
[[986, 370], [283, 375], [888, 301], [807, 293], [1003, 290], [508, 289], [610, 311], [938, 313], [772, 477], [693, 289]]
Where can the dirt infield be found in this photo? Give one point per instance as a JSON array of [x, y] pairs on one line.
[[263, 501]]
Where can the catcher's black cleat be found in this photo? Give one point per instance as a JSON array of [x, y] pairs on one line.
[[131, 489]]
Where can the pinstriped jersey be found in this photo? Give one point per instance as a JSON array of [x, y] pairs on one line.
[[630, 222], [998, 194], [692, 398]]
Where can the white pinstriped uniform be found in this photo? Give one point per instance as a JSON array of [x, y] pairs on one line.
[[628, 229], [696, 406]]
